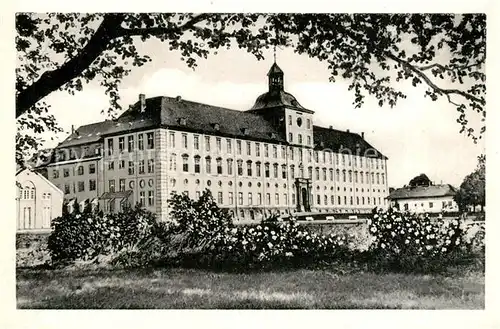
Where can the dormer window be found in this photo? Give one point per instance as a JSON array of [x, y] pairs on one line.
[[216, 126], [244, 131], [182, 121], [273, 135]]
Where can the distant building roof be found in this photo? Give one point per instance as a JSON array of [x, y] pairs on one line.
[[86, 134], [423, 192], [338, 140]]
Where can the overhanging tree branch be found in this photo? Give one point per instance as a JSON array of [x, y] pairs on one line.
[[423, 76]]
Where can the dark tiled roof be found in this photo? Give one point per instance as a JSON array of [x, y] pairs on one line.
[[273, 99], [86, 134], [336, 140], [423, 192], [274, 69], [176, 113]]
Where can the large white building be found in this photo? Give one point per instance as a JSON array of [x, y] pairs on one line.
[[270, 158]]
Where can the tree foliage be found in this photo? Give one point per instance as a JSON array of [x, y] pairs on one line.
[[420, 180], [443, 52], [472, 191]]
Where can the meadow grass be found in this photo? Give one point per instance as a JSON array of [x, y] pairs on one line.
[[177, 288]]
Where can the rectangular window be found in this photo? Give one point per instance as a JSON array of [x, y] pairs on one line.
[[81, 186], [173, 162], [290, 137], [238, 147], [275, 151], [66, 172], [219, 166], [131, 167], [308, 140], [92, 185], [229, 166], [171, 139], [121, 184], [285, 198], [208, 161], [275, 170], [249, 168], [220, 198], [184, 141], [283, 171], [229, 146], [197, 164], [266, 169], [111, 165], [249, 148], [257, 169], [80, 170], [196, 142], [268, 198], [218, 143], [151, 198], [289, 120], [277, 199], [266, 150], [259, 198], [66, 189], [257, 149], [151, 142], [250, 198], [131, 143], [207, 143], [185, 165], [140, 141], [121, 144], [121, 164], [111, 184], [240, 198], [431, 205], [55, 173], [151, 165], [240, 167], [283, 152], [230, 197], [141, 167], [197, 195], [142, 197]]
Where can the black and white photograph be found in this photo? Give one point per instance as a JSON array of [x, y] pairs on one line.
[[250, 160]]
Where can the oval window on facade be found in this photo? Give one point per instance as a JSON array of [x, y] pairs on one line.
[[150, 182], [142, 183], [131, 184]]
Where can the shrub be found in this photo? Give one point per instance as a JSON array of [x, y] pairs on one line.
[[85, 235], [407, 242]]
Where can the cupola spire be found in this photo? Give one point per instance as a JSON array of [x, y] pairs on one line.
[[275, 76]]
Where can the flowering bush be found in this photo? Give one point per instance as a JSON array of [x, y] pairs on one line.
[[85, 235], [408, 242]]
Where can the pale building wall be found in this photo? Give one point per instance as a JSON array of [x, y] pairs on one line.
[[428, 205], [42, 202]]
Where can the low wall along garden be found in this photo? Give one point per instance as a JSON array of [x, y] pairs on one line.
[[203, 235]]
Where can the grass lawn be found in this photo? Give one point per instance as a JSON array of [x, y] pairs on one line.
[[193, 289]]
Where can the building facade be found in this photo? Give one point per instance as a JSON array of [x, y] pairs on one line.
[[38, 201], [269, 159], [425, 199]]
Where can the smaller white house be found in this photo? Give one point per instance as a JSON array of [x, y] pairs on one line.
[[425, 199], [38, 201]]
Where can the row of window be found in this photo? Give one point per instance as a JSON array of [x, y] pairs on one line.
[[320, 173], [80, 186], [80, 170], [299, 122], [131, 143], [325, 155], [131, 166], [431, 204], [284, 200]]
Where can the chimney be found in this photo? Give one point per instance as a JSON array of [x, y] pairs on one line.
[[72, 129], [142, 101], [331, 127], [178, 98], [363, 134], [347, 130]]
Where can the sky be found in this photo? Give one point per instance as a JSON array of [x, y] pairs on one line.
[[418, 135]]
